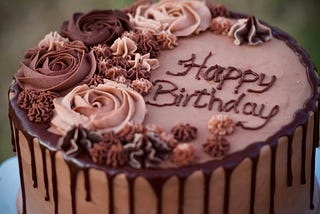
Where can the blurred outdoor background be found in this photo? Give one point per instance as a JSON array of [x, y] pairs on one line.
[[23, 23]]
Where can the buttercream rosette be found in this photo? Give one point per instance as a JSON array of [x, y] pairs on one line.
[[96, 27], [56, 66], [180, 17], [107, 107]]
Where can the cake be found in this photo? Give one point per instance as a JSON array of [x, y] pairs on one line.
[[178, 106]]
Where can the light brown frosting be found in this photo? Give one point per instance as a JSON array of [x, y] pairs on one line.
[[181, 17], [139, 21], [107, 107], [123, 47], [144, 61], [52, 41]]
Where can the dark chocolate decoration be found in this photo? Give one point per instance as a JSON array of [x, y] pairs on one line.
[[217, 10], [146, 43], [184, 132], [66, 68], [216, 147], [38, 104], [96, 27], [78, 140], [157, 180]]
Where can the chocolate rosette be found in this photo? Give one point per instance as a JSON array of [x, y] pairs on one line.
[[58, 70], [96, 27], [107, 107]]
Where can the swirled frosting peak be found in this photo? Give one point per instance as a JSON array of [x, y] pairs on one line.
[[250, 31], [59, 69], [107, 107], [181, 17], [96, 27]]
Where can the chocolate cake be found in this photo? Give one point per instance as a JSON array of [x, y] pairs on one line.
[[178, 106]]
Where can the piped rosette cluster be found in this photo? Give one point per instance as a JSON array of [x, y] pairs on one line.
[[88, 81]]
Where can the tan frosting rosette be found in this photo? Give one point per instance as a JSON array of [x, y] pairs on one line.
[[107, 107], [181, 17]]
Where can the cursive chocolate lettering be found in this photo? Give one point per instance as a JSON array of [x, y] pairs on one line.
[[274, 111], [167, 93], [246, 76], [267, 85], [220, 74]]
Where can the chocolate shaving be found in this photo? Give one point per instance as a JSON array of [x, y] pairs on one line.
[[78, 140], [38, 104], [216, 147], [184, 154], [217, 9], [184, 132]]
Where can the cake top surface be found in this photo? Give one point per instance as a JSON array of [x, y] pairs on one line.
[[162, 85]]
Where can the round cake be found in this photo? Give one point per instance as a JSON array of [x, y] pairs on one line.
[[173, 107]]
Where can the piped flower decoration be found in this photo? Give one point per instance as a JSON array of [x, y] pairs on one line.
[[250, 31]]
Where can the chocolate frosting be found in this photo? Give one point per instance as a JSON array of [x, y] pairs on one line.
[[57, 70], [157, 179], [38, 104], [96, 27], [148, 148], [250, 31]]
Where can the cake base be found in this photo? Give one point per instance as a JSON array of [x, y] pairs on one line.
[[316, 210]]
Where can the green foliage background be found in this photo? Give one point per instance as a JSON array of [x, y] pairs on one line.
[[24, 22]]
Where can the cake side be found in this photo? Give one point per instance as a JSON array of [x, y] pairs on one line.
[[235, 170]]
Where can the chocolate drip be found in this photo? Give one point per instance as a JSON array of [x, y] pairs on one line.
[[12, 135], [313, 155], [74, 170], [23, 192], [254, 164], [157, 186], [303, 153], [54, 180], [39, 131], [110, 179], [226, 200], [289, 161], [33, 163], [87, 184], [45, 172], [182, 182], [273, 177], [131, 184], [206, 190]]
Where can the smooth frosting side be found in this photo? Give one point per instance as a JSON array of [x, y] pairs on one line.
[[274, 58]]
